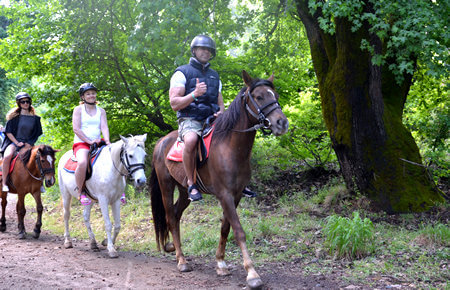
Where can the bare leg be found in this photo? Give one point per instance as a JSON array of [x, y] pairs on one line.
[[80, 172], [190, 142], [9, 152]]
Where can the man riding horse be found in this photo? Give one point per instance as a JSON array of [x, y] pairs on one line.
[[195, 93]]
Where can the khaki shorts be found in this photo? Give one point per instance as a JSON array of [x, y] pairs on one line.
[[186, 125]]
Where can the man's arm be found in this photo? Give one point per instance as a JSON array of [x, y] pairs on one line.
[[179, 101]]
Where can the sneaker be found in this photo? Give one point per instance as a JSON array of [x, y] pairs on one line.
[[43, 189], [123, 199], [194, 197], [5, 188], [248, 193], [85, 200]]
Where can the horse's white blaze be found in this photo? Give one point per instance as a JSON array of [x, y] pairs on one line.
[[50, 160]]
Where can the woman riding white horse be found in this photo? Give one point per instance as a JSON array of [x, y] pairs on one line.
[[115, 162]]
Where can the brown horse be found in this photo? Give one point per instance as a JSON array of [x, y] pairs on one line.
[[33, 166], [225, 173]]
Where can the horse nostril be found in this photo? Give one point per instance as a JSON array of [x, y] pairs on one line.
[[283, 123]]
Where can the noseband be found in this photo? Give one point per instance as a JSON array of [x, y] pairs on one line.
[[131, 168], [43, 171], [261, 112]]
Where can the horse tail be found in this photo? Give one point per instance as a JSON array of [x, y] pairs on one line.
[[158, 211]]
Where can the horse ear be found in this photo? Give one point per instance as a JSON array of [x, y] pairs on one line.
[[56, 150], [144, 137], [247, 78], [270, 79], [125, 140]]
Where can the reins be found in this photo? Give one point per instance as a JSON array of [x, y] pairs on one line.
[[42, 170], [261, 113]]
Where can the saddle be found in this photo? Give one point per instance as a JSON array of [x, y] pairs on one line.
[[176, 151], [11, 168]]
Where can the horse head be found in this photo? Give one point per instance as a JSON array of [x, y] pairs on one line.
[[262, 104], [133, 158], [45, 161]]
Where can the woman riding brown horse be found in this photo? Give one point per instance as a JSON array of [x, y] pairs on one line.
[[33, 166], [225, 173]]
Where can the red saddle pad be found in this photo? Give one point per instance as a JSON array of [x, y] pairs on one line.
[[11, 167], [176, 152], [72, 163]]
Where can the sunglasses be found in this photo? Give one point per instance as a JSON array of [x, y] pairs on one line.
[[25, 102]]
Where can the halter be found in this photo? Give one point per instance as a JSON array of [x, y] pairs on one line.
[[42, 170], [131, 168], [261, 113]]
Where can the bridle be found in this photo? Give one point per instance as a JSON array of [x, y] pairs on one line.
[[261, 112], [130, 168], [43, 171]]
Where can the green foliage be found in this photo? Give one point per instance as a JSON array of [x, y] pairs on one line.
[[427, 115], [308, 138], [438, 234], [349, 238], [408, 31]]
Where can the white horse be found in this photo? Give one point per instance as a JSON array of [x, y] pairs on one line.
[[115, 162]]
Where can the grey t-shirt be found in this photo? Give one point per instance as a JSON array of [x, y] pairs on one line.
[[25, 128]]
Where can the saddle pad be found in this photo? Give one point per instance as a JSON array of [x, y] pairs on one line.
[[72, 163], [176, 152], [11, 167]]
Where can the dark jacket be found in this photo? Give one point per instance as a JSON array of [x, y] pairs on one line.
[[206, 105], [12, 127]]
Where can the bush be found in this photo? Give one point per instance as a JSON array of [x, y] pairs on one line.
[[349, 238]]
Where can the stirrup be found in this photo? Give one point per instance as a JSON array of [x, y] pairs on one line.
[[5, 188], [194, 197], [249, 193]]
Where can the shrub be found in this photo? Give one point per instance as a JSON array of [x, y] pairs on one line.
[[349, 238]]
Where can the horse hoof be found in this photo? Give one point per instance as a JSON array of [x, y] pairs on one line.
[[68, 245], [113, 255], [3, 228], [22, 236], [169, 247], [255, 283], [104, 242], [222, 272], [94, 246], [184, 268], [36, 235]]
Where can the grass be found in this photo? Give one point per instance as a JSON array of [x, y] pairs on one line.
[[291, 229]]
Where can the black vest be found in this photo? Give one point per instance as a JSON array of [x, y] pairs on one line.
[[206, 105]]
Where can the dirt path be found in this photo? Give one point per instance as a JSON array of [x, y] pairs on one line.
[[44, 263]]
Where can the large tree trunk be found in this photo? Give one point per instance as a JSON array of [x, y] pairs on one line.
[[362, 106]]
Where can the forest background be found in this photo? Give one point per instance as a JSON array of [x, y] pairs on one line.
[[129, 50]]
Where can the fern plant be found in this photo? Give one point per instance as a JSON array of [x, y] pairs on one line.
[[349, 238]]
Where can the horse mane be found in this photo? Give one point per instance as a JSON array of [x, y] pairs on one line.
[[25, 154], [227, 121]]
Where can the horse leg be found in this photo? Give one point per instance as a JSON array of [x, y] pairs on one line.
[[115, 209], [21, 211], [67, 200], [173, 216], [3, 219], [229, 210], [87, 223], [222, 267], [108, 227], [39, 209]]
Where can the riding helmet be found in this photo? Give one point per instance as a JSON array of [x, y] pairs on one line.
[[86, 87], [204, 41], [22, 95]]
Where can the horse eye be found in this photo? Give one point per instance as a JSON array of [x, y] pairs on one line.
[[259, 98], [131, 156]]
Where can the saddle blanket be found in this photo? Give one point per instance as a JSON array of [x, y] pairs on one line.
[[176, 152], [11, 167], [72, 163]]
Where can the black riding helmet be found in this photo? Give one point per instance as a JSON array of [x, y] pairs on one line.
[[22, 95], [86, 87], [204, 41]]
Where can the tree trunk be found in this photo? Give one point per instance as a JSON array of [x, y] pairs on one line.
[[362, 106]]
